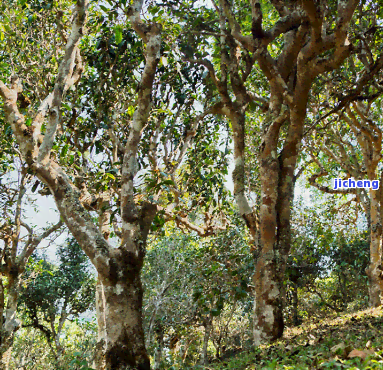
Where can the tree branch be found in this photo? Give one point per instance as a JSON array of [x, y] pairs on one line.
[[66, 77], [151, 34], [30, 247], [246, 41], [326, 189]]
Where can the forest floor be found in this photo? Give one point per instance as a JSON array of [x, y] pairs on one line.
[[348, 341]]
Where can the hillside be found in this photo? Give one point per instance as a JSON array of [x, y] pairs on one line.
[[350, 341]]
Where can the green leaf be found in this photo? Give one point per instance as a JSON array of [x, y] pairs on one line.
[[64, 151], [109, 175], [66, 106], [35, 186], [118, 33], [130, 110], [104, 8]]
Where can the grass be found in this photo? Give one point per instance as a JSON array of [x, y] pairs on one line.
[[326, 344]]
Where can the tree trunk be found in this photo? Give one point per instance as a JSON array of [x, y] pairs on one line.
[[160, 345], [271, 237], [374, 270], [121, 343], [268, 305], [208, 326], [296, 320], [185, 349], [277, 194], [10, 323], [271, 262]]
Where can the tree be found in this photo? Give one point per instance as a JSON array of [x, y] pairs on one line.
[[358, 155], [19, 241], [131, 122], [78, 339], [118, 268], [273, 62]]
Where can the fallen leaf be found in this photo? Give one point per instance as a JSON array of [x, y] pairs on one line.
[[360, 354]]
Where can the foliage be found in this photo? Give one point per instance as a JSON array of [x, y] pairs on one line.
[[54, 293], [190, 281], [68, 285], [78, 338], [326, 269]]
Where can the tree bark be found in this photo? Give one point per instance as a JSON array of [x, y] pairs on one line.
[[277, 194], [122, 340], [375, 270], [10, 323]]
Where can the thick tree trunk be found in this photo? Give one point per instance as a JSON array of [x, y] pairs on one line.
[[268, 304], [271, 238], [275, 246], [121, 343], [375, 270], [290, 77], [277, 194]]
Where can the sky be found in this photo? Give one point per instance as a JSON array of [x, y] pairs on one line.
[[47, 215], [38, 213]]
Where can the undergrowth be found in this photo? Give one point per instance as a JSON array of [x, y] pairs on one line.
[[327, 344]]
